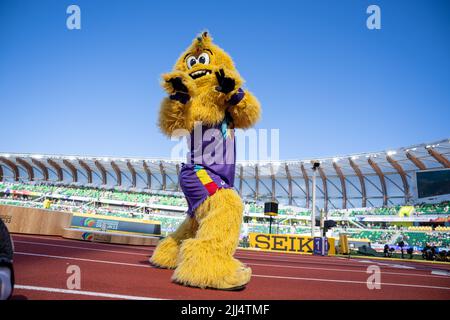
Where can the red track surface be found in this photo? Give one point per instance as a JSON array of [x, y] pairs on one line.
[[108, 270]]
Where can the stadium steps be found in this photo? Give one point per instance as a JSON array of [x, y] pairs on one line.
[[358, 225]]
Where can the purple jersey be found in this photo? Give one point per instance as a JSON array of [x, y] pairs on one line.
[[210, 163]]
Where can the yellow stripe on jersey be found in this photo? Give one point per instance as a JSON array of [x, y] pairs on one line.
[[203, 176]]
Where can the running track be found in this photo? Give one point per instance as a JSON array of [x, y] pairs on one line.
[[122, 272]]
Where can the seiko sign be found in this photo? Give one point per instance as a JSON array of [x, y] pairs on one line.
[[286, 243]]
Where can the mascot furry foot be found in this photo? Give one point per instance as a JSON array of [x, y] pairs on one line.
[[166, 253], [205, 103], [207, 261]]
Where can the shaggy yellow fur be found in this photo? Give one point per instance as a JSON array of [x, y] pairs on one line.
[[207, 260], [166, 253], [202, 248], [206, 104]]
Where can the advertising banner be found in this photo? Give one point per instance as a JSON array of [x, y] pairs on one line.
[[286, 243], [115, 224]]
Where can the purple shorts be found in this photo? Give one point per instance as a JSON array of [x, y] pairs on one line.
[[198, 183]]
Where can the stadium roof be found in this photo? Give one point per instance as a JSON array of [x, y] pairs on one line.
[[371, 179]]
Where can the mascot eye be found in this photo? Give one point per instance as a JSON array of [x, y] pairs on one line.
[[203, 58], [191, 61]]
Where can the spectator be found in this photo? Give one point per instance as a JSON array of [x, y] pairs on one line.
[[410, 251], [442, 255], [386, 250], [401, 244], [428, 252], [391, 251], [433, 251]]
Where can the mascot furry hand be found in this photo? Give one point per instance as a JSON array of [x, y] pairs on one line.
[[206, 102]]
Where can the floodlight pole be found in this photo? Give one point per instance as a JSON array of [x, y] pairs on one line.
[[313, 212], [322, 223], [270, 225]]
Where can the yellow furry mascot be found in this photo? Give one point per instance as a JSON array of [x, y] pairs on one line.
[[206, 103]]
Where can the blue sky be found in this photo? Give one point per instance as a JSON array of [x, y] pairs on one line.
[[330, 85]]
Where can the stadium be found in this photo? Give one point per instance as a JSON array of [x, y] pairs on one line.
[[255, 153], [374, 198]]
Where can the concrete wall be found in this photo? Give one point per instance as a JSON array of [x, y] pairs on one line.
[[35, 221]]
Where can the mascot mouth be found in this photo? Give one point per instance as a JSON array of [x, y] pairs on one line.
[[199, 73]]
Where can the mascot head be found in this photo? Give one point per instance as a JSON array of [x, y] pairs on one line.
[[201, 86], [202, 59]]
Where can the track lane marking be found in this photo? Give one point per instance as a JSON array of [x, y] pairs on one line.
[[352, 281], [248, 263], [331, 263], [81, 242], [240, 253], [84, 259], [254, 275], [435, 275], [150, 251], [254, 257], [138, 254], [76, 247], [445, 274], [84, 293]]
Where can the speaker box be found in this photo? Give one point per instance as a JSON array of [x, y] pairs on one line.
[[271, 208]]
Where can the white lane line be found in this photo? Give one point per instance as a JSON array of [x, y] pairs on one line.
[[352, 281], [84, 259], [76, 247], [150, 251], [255, 264], [352, 262], [255, 275], [83, 293], [239, 254], [443, 273], [307, 261], [356, 264], [139, 248], [438, 275], [286, 256], [393, 265]]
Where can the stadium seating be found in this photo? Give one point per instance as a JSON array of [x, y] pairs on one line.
[[421, 228], [132, 197], [132, 204], [280, 229], [125, 196], [373, 236], [179, 201], [168, 224], [259, 208], [423, 209], [442, 208], [417, 238], [420, 239]]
